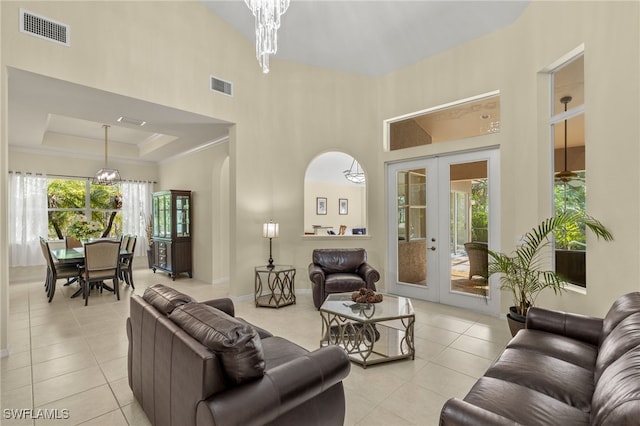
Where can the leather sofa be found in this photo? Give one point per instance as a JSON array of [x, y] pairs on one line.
[[340, 271], [193, 363], [562, 369]]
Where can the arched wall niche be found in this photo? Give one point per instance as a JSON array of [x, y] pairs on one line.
[[334, 204]]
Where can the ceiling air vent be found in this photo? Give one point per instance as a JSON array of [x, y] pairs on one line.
[[221, 86], [45, 28]]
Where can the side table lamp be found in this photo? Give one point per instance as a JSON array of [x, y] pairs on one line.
[[270, 231]]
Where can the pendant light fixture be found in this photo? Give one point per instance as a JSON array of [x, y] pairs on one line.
[[566, 175], [354, 174], [106, 176]]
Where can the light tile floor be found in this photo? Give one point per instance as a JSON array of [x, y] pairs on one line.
[[66, 356]]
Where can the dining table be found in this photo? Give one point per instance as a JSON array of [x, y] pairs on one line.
[[75, 255]]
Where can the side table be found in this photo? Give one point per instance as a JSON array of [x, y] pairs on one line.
[[275, 287]]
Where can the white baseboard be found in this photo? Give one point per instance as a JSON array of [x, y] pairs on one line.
[[220, 280]]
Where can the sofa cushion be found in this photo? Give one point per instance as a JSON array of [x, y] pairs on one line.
[[342, 282], [522, 404], [616, 399], [278, 351], [236, 343], [565, 348], [165, 299], [561, 380], [621, 339], [339, 260], [623, 307]]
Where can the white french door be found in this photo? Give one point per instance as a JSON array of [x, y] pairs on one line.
[[436, 205]]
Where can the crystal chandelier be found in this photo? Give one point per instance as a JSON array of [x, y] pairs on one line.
[[267, 13], [106, 176], [354, 173]]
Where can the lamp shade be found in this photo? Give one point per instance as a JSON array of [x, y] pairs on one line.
[[270, 230]]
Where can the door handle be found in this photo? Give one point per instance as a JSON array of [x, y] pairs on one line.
[[433, 248]]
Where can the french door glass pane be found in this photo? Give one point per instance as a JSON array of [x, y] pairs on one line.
[[412, 226], [468, 215]]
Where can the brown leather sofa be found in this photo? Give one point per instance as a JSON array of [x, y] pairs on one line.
[[563, 369], [339, 271], [194, 363]]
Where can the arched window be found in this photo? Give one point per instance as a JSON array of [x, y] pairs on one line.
[[335, 196]]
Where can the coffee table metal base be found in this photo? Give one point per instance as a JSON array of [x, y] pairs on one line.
[[369, 341]]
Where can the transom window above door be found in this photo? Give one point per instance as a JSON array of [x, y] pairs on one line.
[[462, 119]]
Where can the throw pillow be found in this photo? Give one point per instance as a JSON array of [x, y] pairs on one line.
[[236, 343], [165, 299]]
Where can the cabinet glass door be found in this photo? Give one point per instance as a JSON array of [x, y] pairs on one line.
[[182, 216], [162, 215]]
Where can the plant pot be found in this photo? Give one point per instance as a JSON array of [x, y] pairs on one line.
[[515, 320]]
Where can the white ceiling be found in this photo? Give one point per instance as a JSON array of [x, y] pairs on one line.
[[373, 37], [54, 116], [366, 37]]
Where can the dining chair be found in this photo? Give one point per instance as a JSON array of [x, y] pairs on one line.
[[126, 262], [72, 242], [124, 241], [101, 262], [55, 270]]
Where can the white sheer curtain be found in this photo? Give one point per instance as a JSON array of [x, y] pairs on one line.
[[136, 209], [28, 218]]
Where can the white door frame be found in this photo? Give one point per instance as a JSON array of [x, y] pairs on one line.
[[438, 261], [428, 292]]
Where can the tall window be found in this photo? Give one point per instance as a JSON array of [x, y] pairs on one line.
[[80, 209], [569, 143]]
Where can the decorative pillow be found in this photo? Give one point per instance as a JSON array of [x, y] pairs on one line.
[[236, 343], [165, 299]]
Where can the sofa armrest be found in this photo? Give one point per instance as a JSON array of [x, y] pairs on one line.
[[576, 326], [369, 274], [281, 389], [224, 304], [316, 274], [457, 412]]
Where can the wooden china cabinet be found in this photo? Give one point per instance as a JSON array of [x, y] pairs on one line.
[[172, 232]]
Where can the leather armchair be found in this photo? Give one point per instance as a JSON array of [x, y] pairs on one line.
[[339, 271]]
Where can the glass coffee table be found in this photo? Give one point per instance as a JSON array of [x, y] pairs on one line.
[[369, 333]]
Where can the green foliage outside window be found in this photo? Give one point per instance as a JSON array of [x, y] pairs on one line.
[[571, 198], [479, 211], [70, 215]]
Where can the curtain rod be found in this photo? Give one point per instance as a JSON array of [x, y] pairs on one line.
[[76, 177]]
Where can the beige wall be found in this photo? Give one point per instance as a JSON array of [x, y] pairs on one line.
[[286, 118], [511, 60], [355, 195], [202, 173]]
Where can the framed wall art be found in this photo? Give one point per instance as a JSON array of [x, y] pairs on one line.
[[343, 206], [321, 205]]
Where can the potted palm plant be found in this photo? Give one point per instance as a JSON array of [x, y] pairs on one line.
[[523, 271]]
